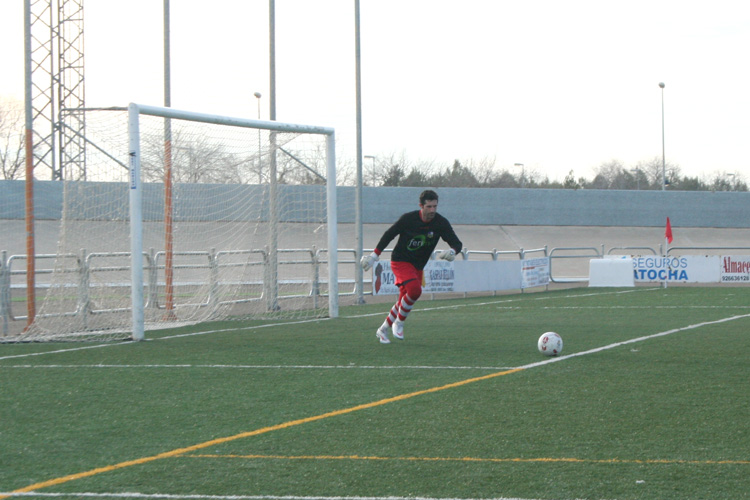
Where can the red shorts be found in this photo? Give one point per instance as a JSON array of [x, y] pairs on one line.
[[405, 271]]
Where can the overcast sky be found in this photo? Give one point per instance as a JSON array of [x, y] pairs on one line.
[[555, 85]]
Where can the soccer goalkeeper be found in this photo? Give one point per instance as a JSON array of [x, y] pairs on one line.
[[418, 232]]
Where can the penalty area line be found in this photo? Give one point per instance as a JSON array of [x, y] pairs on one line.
[[166, 496], [262, 367]]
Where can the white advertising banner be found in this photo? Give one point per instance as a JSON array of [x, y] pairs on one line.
[[486, 276], [439, 276], [677, 269], [535, 272], [467, 276], [383, 280], [735, 269]]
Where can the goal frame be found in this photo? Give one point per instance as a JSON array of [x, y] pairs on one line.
[[136, 194]]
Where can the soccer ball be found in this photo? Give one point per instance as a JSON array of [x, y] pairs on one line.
[[550, 344]]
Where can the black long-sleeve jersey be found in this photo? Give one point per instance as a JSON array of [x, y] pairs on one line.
[[417, 239]]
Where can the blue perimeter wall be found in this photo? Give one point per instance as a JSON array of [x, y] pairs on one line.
[[383, 205]]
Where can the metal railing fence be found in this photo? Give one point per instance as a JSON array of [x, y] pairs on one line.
[[301, 267]]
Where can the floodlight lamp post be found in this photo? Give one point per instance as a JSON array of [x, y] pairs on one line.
[[663, 155], [260, 146], [523, 174]]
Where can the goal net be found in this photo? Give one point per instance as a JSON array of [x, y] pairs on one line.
[[179, 217]]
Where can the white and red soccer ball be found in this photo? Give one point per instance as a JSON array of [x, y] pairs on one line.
[[550, 344]]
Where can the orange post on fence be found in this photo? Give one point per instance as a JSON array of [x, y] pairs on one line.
[[30, 252], [168, 236]]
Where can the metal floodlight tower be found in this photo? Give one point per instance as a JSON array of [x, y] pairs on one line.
[[54, 105], [40, 96], [56, 96], [663, 154]]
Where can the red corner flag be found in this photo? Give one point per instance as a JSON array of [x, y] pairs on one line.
[[668, 232]]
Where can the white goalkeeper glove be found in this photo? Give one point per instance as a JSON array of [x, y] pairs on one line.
[[368, 260], [448, 255]]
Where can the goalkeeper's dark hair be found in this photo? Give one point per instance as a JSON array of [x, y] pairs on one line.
[[427, 194]]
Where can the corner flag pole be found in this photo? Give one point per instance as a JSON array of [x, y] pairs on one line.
[[666, 261], [667, 240]]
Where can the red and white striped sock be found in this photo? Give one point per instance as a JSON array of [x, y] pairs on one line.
[[393, 314], [406, 304]]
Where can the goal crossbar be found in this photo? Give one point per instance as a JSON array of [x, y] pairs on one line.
[[230, 121]]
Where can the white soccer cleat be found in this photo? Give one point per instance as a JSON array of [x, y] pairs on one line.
[[398, 329], [382, 335]]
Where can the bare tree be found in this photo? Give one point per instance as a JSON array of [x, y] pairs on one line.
[[611, 175], [654, 168], [484, 170], [346, 172], [387, 170], [195, 159], [12, 144]]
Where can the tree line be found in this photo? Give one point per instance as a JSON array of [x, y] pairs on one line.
[[614, 174], [200, 160]]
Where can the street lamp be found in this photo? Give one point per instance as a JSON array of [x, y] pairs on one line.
[[258, 96], [523, 174], [637, 171], [663, 155]]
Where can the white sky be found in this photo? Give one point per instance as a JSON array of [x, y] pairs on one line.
[[555, 85]]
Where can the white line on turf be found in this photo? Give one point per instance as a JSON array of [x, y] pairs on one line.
[[229, 497], [274, 367], [57, 351], [271, 325], [365, 367], [633, 341]]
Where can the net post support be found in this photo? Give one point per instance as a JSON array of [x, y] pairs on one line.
[[331, 204], [136, 221]]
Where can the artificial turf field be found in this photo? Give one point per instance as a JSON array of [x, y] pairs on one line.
[[649, 400]]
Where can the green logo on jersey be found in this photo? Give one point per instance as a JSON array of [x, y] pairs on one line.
[[416, 243]]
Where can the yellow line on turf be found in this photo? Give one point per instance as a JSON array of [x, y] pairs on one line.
[[475, 459], [264, 430]]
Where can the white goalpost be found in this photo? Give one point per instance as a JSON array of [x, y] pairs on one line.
[[186, 217], [136, 217]]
